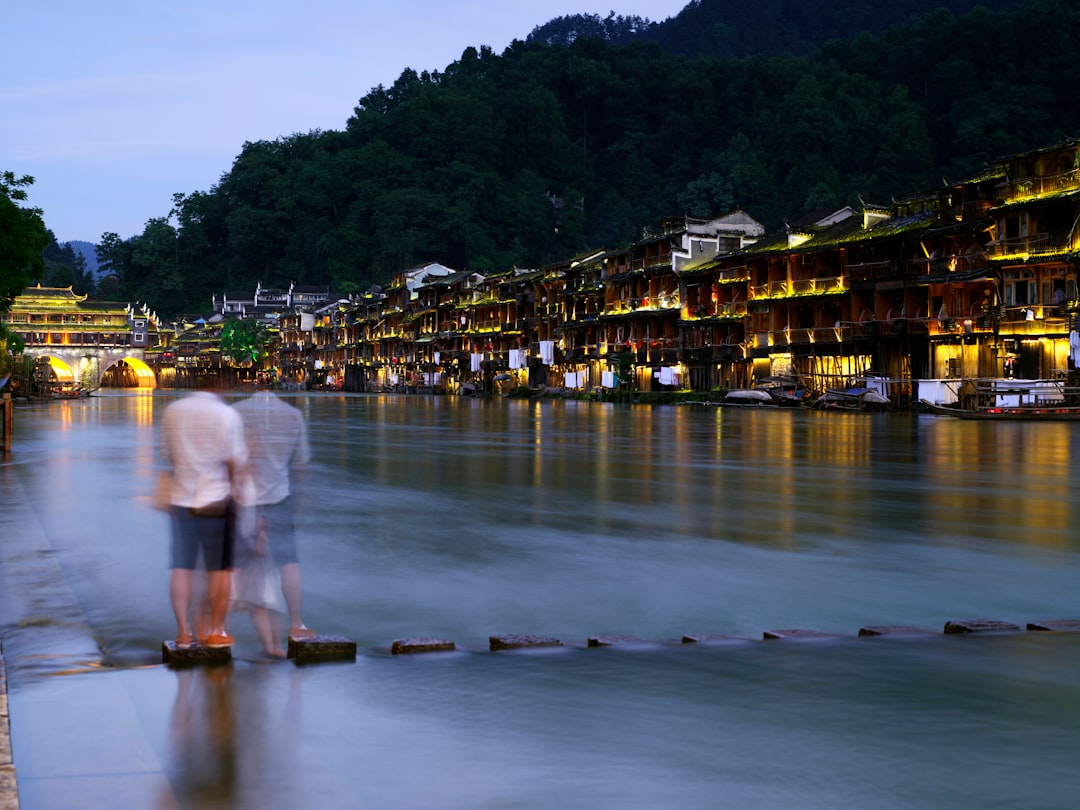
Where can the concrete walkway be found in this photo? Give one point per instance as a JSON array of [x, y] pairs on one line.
[[9, 791], [74, 738]]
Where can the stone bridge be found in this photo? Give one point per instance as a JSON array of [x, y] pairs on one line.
[[87, 364]]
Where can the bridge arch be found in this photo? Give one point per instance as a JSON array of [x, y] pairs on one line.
[[129, 372], [89, 365]]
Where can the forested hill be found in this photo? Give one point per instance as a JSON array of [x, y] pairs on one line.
[[533, 155], [723, 29]]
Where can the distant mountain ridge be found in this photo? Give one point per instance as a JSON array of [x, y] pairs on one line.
[[724, 29], [88, 250]]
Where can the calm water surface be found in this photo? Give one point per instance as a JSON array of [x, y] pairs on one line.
[[462, 519]]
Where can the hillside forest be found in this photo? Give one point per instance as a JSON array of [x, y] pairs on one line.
[[591, 130]]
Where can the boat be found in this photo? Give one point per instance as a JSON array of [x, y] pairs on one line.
[[1010, 400], [748, 398], [786, 391], [851, 399], [1065, 413]]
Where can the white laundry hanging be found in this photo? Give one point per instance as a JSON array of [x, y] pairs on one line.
[[547, 352]]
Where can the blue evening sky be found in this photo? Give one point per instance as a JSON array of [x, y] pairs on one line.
[[113, 106]]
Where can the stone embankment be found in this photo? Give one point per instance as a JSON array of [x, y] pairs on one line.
[[9, 794]]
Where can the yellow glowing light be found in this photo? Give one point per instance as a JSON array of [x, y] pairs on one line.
[[140, 368], [61, 369]]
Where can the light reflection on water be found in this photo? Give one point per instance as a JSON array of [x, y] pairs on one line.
[[464, 518]]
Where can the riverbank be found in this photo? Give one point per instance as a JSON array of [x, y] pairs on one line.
[[9, 789]]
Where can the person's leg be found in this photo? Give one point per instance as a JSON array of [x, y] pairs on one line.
[[262, 619], [181, 569], [280, 525], [219, 588], [292, 588], [218, 554], [180, 595]]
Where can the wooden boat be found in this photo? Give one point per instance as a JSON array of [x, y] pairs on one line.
[[748, 398], [1011, 400], [786, 392], [852, 399], [1064, 413]]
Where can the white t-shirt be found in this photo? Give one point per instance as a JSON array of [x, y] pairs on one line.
[[277, 442], [202, 438]]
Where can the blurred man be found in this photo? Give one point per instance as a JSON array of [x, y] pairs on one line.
[[203, 441], [277, 441]]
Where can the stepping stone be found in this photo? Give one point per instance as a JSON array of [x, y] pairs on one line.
[[798, 633], [894, 630], [611, 641], [706, 638], [980, 626], [419, 645], [321, 648], [513, 642], [197, 655], [1060, 625]]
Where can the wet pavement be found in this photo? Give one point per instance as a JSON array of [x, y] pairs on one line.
[[79, 741]]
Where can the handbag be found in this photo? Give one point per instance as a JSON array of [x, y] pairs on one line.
[[257, 585]]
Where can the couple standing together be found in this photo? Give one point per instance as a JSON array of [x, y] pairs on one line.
[[231, 508]]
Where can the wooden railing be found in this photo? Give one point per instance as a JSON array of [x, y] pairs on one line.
[[1047, 184], [800, 288]]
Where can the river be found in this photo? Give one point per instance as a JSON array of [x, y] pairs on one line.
[[461, 519]]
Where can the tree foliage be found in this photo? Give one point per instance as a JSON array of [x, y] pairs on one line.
[[244, 339], [530, 156], [63, 267], [23, 238]]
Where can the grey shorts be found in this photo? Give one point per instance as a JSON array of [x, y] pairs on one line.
[[201, 542], [280, 523]]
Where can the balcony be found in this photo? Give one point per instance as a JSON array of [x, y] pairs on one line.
[[806, 337], [1032, 245], [800, 288], [735, 310], [867, 271], [943, 266], [1035, 187], [665, 302]]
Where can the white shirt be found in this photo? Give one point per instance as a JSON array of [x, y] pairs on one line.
[[202, 438], [277, 441]]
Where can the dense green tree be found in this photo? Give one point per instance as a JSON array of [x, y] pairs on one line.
[[66, 268], [244, 340], [533, 155], [23, 238]]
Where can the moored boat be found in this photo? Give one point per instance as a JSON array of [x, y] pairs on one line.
[[1062, 413], [1010, 400], [852, 399], [748, 398]]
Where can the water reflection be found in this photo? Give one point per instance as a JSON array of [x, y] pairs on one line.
[[202, 736]]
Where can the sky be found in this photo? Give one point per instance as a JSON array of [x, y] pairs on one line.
[[114, 106]]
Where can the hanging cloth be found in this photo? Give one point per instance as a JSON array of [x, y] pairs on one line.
[[547, 352]]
